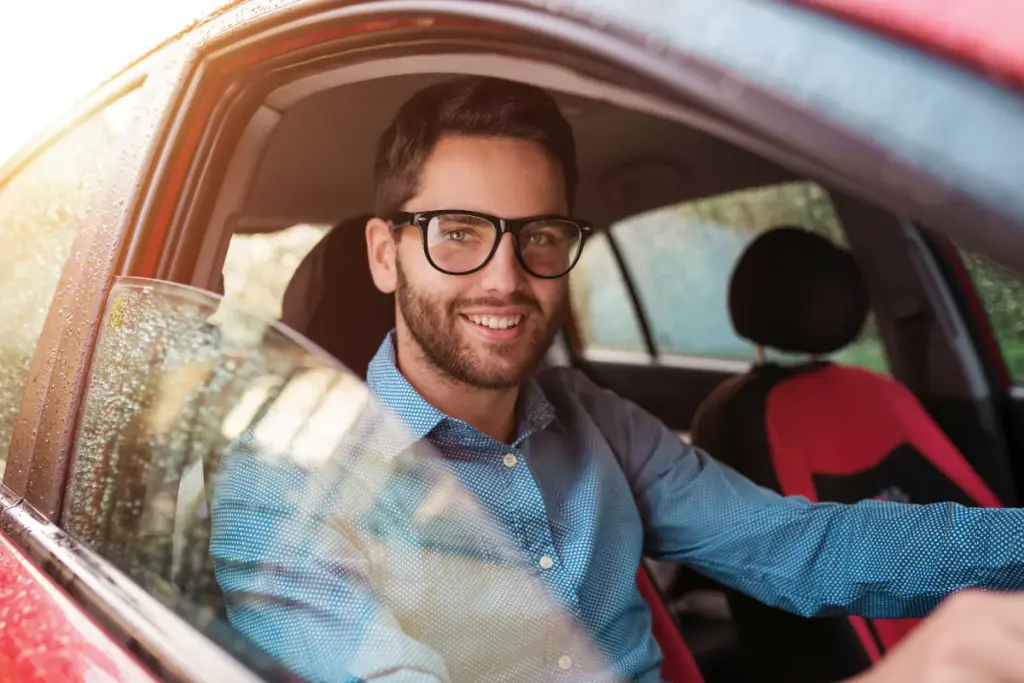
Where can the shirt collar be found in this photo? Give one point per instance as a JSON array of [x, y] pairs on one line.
[[390, 387], [534, 411]]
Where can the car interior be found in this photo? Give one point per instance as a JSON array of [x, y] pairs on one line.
[[931, 433]]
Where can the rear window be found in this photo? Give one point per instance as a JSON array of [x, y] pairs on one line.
[[680, 259]]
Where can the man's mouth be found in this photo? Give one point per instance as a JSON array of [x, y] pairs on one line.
[[496, 322]]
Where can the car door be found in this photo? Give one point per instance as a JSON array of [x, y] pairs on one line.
[[90, 173]]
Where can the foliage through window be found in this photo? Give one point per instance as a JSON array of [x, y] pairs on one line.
[[600, 301], [42, 208], [1002, 294], [259, 266], [681, 258]]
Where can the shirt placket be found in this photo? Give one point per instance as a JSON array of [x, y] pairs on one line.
[[536, 540]]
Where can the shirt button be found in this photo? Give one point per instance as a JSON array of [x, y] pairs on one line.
[[546, 562], [565, 662], [510, 460]]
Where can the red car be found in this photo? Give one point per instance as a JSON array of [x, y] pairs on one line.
[[217, 164]]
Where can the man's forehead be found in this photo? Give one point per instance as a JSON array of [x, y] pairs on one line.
[[509, 177]]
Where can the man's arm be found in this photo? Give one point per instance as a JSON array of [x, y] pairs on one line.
[[876, 559], [299, 587]]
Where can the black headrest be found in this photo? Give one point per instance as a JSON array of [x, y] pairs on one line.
[[793, 290], [332, 299]]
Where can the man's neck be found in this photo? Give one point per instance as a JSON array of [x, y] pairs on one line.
[[491, 412]]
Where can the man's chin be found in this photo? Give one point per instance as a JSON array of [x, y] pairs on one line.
[[495, 368]]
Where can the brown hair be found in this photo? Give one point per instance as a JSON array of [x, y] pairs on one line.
[[467, 106]]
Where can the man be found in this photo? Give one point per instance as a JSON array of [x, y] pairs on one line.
[[476, 237]]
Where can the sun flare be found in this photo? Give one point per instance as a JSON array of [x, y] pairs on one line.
[[54, 53]]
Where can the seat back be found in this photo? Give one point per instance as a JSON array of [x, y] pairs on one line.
[[822, 431], [846, 434], [331, 298], [679, 665]]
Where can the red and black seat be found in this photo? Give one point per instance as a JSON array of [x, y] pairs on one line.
[[823, 431], [332, 300]]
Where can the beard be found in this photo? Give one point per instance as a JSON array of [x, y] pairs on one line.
[[434, 324]]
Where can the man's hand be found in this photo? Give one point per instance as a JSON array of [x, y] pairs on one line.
[[973, 637]]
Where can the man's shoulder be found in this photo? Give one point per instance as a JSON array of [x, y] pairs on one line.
[[562, 380], [570, 391], [589, 411]]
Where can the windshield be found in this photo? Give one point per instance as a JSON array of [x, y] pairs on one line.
[[245, 479]]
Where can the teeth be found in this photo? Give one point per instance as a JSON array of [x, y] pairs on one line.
[[495, 322]]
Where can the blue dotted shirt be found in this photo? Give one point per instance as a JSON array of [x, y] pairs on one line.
[[590, 484]]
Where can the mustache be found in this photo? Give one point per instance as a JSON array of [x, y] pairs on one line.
[[514, 299]]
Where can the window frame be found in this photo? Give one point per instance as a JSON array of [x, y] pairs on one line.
[[44, 429], [23, 161], [1008, 392], [977, 312]]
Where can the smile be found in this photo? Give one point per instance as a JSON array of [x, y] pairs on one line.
[[496, 322]]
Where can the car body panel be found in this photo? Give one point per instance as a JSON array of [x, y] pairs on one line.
[[983, 34], [45, 637]]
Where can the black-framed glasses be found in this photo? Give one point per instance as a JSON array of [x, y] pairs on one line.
[[460, 242]]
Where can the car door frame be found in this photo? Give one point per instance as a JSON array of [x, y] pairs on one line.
[[1008, 392], [44, 431], [81, 602]]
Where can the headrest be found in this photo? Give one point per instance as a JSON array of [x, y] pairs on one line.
[[793, 290], [332, 300]]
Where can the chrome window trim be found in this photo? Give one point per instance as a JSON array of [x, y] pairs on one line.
[[165, 643]]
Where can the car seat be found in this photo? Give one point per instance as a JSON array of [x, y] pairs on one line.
[[820, 430]]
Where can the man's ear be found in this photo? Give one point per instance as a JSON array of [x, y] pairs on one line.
[[382, 252]]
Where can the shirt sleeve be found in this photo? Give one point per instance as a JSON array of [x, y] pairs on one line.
[[299, 587], [876, 559]]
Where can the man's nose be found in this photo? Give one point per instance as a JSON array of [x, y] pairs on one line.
[[503, 274]]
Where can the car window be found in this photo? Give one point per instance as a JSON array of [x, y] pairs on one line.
[[259, 266], [1002, 294], [680, 259], [253, 485], [42, 208], [605, 316]]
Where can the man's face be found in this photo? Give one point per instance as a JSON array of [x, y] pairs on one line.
[[488, 329]]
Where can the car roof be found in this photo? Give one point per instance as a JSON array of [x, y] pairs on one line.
[[983, 34]]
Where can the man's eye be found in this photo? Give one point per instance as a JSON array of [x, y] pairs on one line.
[[540, 239], [456, 235]]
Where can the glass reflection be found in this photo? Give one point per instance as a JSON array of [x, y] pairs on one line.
[[238, 473]]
